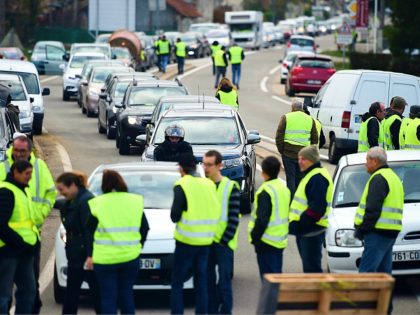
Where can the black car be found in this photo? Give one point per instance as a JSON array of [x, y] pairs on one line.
[[194, 45], [221, 129], [114, 93], [138, 103], [7, 122]]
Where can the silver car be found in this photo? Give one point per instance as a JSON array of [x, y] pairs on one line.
[[300, 43]]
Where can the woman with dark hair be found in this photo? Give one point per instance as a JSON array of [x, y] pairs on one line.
[[120, 229], [74, 214]]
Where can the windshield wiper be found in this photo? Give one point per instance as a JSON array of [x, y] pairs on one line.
[[346, 204]]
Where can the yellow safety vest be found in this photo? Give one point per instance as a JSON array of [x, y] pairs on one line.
[[41, 186], [224, 191], [215, 48], [387, 131], [218, 59], [411, 141], [229, 98], [404, 124], [21, 220], [199, 222], [363, 143], [318, 129], [117, 237], [181, 49], [300, 200], [298, 128], [235, 55], [163, 47], [157, 47], [392, 208], [278, 227]]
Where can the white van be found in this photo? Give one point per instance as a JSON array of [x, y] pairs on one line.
[[29, 74], [347, 95]]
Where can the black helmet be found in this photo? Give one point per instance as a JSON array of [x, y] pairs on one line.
[[415, 110], [175, 131]]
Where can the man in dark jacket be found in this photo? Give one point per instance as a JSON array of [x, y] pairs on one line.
[[174, 145], [18, 240], [392, 123], [371, 132]]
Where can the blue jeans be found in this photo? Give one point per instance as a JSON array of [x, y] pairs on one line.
[[270, 261], [181, 62], [310, 251], [293, 173], [18, 270], [377, 254], [220, 72], [116, 286], [236, 74], [187, 258], [220, 292], [164, 59]]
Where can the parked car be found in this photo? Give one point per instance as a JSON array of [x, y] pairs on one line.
[[195, 47], [220, 35], [345, 251], [21, 99], [152, 181], [139, 101], [308, 74], [103, 48], [300, 43], [47, 56], [221, 129], [287, 62], [279, 35], [347, 95], [13, 53], [74, 68], [7, 125], [29, 74]]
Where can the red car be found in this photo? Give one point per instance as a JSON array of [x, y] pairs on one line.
[[308, 74], [11, 53]]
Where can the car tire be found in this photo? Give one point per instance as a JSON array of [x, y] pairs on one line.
[[246, 203], [100, 128], [83, 109], [282, 81], [334, 153], [37, 127], [117, 139], [59, 291], [124, 145], [289, 90], [90, 113], [66, 96], [110, 133]]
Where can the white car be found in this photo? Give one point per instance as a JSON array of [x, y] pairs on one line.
[[300, 43], [154, 181], [74, 68], [287, 62], [21, 99], [343, 250]]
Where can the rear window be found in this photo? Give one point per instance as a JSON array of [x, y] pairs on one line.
[[302, 42], [315, 63]]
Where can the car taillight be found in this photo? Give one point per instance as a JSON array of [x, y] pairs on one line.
[[22, 58], [297, 70], [288, 45], [331, 71], [345, 120], [285, 65]]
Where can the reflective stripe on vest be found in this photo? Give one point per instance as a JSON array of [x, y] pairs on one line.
[[392, 207], [387, 131], [300, 201], [235, 55], [218, 59], [117, 237], [229, 98], [198, 223], [298, 128], [411, 140], [180, 49], [363, 143], [277, 229]]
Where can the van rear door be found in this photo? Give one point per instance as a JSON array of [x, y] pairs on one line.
[[406, 86]]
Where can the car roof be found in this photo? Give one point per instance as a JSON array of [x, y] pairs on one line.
[[107, 67], [186, 98], [105, 61], [17, 65], [392, 156], [359, 72], [88, 53], [89, 44], [200, 112], [302, 37], [9, 76], [134, 166]]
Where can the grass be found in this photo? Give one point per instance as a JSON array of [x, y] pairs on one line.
[[342, 66], [334, 53]]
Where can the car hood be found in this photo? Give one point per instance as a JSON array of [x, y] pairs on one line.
[[228, 152], [23, 105], [71, 72], [140, 110], [161, 226]]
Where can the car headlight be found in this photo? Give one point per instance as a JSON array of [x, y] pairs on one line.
[[194, 46], [36, 108], [133, 120], [24, 114], [345, 238], [232, 163], [114, 109]]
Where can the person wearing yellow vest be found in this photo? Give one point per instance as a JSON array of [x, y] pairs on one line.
[[309, 209], [180, 53], [378, 218], [236, 55], [392, 123], [268, 226], [119, 228], [411, 132], [196, 211], [164, 49], [296, 130], [371, 133], [19, 238], [227, 94], [221, 62], [215, 46], [156, 47], [226, 237], [318, 125], [42, 189]]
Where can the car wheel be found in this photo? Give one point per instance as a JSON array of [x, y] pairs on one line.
[[90, 113], [79, 102], [124, 145], [246, 203], [100, 128], [37, 127], [117, 139], [59, 291], [282, 81], [334, 153], [110, 134], [83, 109], [66, 96], [289, 90]]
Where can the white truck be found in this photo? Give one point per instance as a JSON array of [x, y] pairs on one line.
[[246, 28]]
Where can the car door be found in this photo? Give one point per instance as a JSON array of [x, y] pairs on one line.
[[406, 87], [54, 58], [248, 152]]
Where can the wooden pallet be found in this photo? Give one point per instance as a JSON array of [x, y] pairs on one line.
[[325, 293]]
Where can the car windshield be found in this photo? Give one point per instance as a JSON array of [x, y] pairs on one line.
[[16, 90], [202, 130], [301, 42], [246, 27], [155, 187], [150, 95], [78, 62], [30, 80], [11, 54], [353, 179], [315, 63], [99, 49], [188, 39], [121, 53], [100, 75], [217, 34], [120, 89]]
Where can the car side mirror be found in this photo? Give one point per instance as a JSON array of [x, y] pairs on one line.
[[46, 91], [78, 76], [253, 139], [141, 139], [280, 60], [103, 96], [308, 101], [119, 105], [62, 66], [31, 99], [84, 82], [254, 132], [66, 57]]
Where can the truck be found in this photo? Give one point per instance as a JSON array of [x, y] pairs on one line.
[[246, 28]]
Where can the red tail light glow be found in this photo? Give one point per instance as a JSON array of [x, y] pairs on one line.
[[288, 45], [345, 120], [285, 65], [331, 71], [297, 70]]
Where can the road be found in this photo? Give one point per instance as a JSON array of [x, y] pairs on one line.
[[262, 102]]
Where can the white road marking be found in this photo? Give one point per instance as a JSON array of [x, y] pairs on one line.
[[49, 79], [194, 70], [65, 159], [274, 70], [263, 83], [279, 99]]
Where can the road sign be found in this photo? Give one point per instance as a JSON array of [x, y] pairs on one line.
[[344, 36], [362, 16], [352, 8]]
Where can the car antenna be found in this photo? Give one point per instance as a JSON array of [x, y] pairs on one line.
[[203, 100]]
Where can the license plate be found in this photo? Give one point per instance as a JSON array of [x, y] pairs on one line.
[[149, 263], [314, 82], [406, 256]]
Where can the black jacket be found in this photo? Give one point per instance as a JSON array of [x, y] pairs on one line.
[[395, 129], [15, 244], [372, 129], [171, 152]]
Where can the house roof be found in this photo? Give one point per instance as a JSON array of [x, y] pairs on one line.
[[184, 8]]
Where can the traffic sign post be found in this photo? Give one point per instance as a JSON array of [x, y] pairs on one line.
[[344, 38]]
